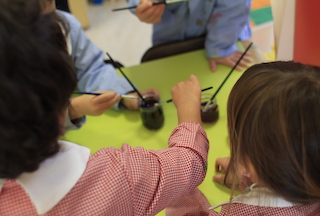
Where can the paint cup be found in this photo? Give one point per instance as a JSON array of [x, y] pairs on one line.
[[210, 112], [151, 112]]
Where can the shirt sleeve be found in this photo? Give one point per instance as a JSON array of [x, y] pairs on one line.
[[133, 3], [74, 125], [227, 21], [154, 178], [92, 73], [246, 33], [193, 203]]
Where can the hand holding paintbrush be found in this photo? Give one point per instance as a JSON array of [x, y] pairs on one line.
[[92, 103], [154, 3], [130, 99]]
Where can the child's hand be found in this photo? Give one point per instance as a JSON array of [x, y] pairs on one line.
[[231, 60], [148, 13], [132, 104], [91, 104], [222, 165], [186, 97]]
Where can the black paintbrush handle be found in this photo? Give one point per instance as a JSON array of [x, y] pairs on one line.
[[135, 89], [88, 93], [132, 7], [234, 67], [201, 90]]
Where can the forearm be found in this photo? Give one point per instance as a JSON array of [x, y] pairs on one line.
[[169, 173], [190, 135], [189, 114]]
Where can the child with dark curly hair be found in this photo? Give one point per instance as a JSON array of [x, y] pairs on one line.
[[39, 174]]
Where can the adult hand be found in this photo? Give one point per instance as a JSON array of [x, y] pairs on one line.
[[186, 97], [148, 13], [92, 105], [230, 61], [132, 104]]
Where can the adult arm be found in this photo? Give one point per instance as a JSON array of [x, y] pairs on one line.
[[227, 21]]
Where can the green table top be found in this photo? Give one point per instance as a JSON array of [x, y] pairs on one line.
[[114, 128]]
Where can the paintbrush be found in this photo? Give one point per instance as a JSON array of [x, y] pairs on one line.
[[154, 3], [93, 93]]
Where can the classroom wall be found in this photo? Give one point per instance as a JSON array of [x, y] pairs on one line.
[[296, 31], [79, 8]]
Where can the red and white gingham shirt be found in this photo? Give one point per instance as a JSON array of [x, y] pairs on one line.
[[259, 201], [126, 181]]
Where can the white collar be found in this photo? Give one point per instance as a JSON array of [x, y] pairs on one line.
[[55, 177], [259, 196]]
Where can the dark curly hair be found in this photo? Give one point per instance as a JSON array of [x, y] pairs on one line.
[[37, 78]]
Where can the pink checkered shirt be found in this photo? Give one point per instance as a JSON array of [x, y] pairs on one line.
[[259, 201], [126, 181]]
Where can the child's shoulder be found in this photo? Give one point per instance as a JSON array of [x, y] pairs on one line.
[[246, 209], [263, 201]]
